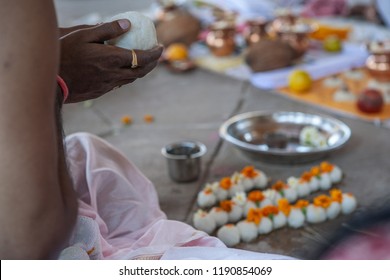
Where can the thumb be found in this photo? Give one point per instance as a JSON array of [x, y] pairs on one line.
[[106, 31]]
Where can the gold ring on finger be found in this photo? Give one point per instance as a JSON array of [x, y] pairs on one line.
[[134, 61]]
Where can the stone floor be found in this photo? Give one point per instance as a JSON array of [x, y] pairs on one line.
[[193, 106]]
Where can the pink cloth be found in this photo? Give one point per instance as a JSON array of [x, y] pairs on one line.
[[119, 214], [318, 8]]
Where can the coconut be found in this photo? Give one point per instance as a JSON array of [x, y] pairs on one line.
[[267, 55], [142, 33], [178, 26]]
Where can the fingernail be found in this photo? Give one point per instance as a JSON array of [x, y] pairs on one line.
[[124, 23]]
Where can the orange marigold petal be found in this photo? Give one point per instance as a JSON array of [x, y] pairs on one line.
[[315, 171], [323, 201], [326, 167], [336, 195], [226, 183], [226, 205], [302, 203], [279, 186], [256, 196], [254, 215], [284, 206], [249, 172], [270, 210]]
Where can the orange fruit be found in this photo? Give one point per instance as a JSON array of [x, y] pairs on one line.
[[299, 81], [176, 51]]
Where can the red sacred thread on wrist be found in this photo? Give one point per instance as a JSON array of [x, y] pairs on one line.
[[64, 88]]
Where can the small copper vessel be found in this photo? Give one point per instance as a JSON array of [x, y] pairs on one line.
[[255, 31], [378, 62], [221, 39], [281, 22], [299, 41]]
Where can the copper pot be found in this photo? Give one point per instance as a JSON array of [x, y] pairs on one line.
[[378, 62], [221, 39], [255, 31], [299, 41]]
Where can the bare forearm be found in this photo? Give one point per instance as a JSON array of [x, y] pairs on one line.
[[34, 214]]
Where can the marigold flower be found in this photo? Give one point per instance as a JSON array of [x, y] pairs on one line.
[[254, 215], [279, 186], [256, 196], [284, 206], [306, 176], [226, 183], [226, 205], [270, 210], [326, 167], [126, 120], [336, 195], [302, 203], [323, 201], [315, 171], [148, 118], [249, 172]]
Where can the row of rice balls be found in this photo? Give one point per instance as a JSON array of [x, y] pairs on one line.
[[320, 177], [263, 220]]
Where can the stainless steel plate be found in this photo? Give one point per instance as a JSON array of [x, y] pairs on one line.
[[274, 136]]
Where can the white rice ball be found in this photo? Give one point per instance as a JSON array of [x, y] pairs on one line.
[[221, 194], [315, 214], [142, 33], [333, 210], [261, 180], [349, 204], [290, 194], [336, 174], [325, 181], [296, 219], [203, 221], [219, 215], [265, 225], [206, 198], [235, 214], [249, 205], [236, 188], [248, 230], [266, 202], [229, 234], [314, 184], [280, 220]]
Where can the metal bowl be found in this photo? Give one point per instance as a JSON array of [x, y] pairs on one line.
[[274, 136]]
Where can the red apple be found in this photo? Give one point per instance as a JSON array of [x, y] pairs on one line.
[[370, 101]]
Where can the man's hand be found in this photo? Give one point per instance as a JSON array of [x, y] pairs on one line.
[[91, 68]]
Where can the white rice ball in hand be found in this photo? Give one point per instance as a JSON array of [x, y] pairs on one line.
[[142, 33]]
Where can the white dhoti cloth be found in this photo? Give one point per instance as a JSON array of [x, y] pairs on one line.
[[119, 215]]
